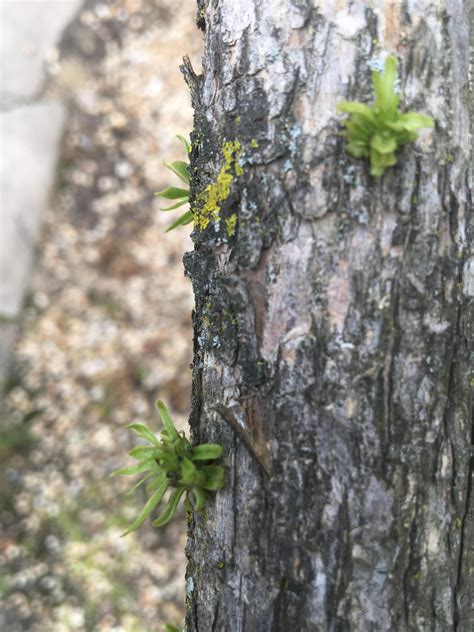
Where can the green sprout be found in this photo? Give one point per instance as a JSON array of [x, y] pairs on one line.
[[170, 628], [179, 195], [170, 461], [377, 131]]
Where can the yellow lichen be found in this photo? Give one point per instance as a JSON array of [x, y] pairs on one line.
[[230, 223], [254, 143], [208, 201]]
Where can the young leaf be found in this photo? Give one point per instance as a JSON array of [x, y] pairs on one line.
[[185, 218], [412, 121], [173, 193], [386, 97], [383, 145], [150, 505], [200, 497], [154, 483], [140, 482], [171, 507], [145, 433], [184, 142], [189, 472], [180, 168], [143, 452], [353, 107], [214, 477], [206, 452], [356, 132], [166, 419], [135, 469], [358, 150], [179, 203]]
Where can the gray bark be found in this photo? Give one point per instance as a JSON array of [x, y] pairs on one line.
[[332, 330]]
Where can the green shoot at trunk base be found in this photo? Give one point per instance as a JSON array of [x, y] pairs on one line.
[[377, 131], [171, 461]]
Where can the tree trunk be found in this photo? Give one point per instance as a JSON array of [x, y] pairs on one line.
[[331, 328]]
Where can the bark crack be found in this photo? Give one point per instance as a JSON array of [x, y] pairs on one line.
[[216, 616], [462, 543], [410, 561]]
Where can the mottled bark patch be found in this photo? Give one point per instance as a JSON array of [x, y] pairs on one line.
[[331, 333]]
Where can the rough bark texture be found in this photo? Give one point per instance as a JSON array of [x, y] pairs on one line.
[[332, 330]]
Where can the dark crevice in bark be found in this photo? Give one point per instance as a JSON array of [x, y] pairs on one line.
[[338, 590], [466, 514], [464, 588], [411, 565], [235, 501], [388, 379], [215, 620]]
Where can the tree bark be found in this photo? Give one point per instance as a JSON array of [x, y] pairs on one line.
[[332, 329]]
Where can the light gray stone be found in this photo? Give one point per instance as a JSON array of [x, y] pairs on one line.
[[29, 140], [28, 30], [30, 131]]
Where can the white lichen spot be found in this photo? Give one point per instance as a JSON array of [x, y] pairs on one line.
[[436, 326], [189, 586], [320, 587], [331, 509], [386, 237], [349, 21], [468, 278], [446, 464], [432, 544], [358, 552], [376, 64]]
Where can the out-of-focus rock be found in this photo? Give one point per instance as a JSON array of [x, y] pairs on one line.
[[30, 129], [28, 31]]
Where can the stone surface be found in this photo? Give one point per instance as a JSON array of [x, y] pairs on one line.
[[28, 31], [30, 136], [30, 128]]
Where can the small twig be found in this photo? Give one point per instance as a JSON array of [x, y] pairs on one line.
[[230, 417], [192, 79]]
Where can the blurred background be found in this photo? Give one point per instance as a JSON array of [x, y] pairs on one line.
[[95, 312]]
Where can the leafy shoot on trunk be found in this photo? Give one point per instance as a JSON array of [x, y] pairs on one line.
[[377, 131], [178, 195], [169, 461]]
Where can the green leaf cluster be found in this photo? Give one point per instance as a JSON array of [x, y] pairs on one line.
[[169, 461], [377, 131], [179, 196]]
